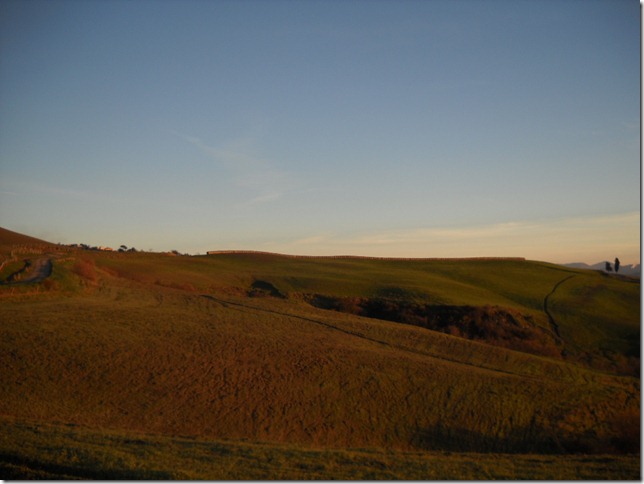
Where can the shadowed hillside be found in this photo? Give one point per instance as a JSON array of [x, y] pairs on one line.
[[480, 356], [10, 239]]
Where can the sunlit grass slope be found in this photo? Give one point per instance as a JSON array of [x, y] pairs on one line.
[[176, 346], [597, 317], [599, 320]]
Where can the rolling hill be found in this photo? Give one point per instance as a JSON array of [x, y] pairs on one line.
[[316, 365], [10, 239]]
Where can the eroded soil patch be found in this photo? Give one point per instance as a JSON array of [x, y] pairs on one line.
[[494, 325], [264, 289]]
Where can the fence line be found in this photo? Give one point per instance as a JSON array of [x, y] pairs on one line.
[[258, 252]]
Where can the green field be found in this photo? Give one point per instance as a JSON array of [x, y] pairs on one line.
[[250, 366]]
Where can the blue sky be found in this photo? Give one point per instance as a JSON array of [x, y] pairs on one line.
[[396, 128]]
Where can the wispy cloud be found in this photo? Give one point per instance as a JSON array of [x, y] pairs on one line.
[[246, 169], [588, 239], [315, 239], [265, 198], [31, 188], [631, 126]]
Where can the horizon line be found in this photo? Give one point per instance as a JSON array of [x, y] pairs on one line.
[[344, 256]]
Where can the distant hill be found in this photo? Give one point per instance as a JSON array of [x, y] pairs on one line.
[[8, 237], [632, 270]]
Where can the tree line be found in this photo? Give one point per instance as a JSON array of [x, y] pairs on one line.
[[610, 269]]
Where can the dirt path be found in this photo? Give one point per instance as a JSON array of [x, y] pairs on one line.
[[551, 319], [33, 271]]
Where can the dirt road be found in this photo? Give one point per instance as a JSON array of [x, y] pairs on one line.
[[33, 271]]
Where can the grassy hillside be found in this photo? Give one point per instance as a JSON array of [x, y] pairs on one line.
[[231, 347], [421, 287], [72, 452], [11, 240]]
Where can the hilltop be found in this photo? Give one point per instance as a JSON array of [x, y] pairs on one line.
[[301, 357], [10, 239]]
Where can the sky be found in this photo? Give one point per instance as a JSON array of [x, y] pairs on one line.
[[429, 128]]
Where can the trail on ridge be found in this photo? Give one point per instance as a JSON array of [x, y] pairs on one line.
[[551, 319]]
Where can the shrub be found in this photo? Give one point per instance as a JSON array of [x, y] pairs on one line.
[[86, 269]]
